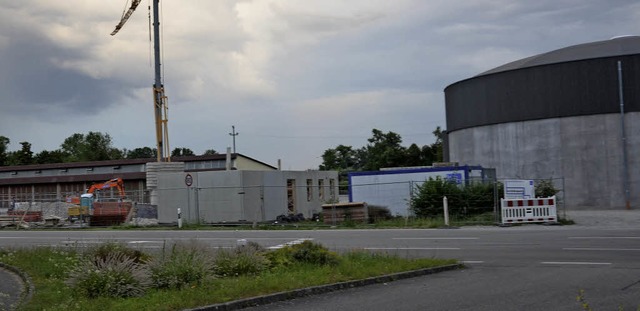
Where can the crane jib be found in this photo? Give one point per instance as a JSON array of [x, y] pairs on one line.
[[126, 15]]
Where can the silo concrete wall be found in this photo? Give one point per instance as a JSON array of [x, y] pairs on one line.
[[586, 151]]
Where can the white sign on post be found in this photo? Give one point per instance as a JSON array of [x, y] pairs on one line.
[[519, 189]]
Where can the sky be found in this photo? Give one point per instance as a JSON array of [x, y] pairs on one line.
[[294, 77]]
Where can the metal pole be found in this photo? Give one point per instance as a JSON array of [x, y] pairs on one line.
[[445, 203], [496, 197], [406, 219], [564, 200], [197, 205], [179, 218], [189, 190], [625, 173], [234, 134]]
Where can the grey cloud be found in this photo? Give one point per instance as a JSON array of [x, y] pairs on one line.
[[29, 78]]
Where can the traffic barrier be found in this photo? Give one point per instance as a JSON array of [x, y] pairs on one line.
[[529, 210]]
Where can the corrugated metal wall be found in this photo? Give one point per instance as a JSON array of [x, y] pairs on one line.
[[559, 90]]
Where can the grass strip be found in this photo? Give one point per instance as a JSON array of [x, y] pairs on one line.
[[48, 268]]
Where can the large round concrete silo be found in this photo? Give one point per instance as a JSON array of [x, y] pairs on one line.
[[556, 115]]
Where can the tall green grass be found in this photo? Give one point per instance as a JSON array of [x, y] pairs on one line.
[[50, 267]]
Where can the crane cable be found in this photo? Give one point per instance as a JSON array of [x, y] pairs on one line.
[[161, 42], [150, 41], [124, 11]]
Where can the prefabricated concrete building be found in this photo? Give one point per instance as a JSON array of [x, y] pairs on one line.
[[572, 114]]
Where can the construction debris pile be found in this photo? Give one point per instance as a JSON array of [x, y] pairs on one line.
[[94, 208]]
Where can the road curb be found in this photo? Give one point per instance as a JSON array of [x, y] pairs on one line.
[[28, 289], [316, 290]]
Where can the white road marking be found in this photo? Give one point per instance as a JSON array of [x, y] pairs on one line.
[[463, 238], [601, 249], [294, 242], [574, 263], [413, 248], [604, 237]]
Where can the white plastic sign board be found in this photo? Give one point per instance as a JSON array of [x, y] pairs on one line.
[[519, 189]]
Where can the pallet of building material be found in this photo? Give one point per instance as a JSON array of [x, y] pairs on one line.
[[111, 208], [143, 215], [27, 216], [109, 213], [340, 212], [106, 220], [12, 221]]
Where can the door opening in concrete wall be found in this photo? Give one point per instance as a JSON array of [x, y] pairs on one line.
[[309, 190], [321, 189], [332, 191], [291, 196]]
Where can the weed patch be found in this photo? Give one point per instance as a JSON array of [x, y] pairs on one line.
[[185, 276]]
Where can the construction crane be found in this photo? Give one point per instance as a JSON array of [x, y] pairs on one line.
[[159, 98]]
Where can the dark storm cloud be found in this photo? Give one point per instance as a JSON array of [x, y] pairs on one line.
[[30, 80], [271, 66]]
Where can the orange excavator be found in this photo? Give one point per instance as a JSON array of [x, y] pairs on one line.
[[83, 210], [111, 183]]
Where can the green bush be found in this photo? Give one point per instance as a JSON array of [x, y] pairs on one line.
[[478, 198], [427, 200], [305, 252], [378, 213], [243, 260], [114, 275], [463, 200], [184, 265], [544, 188], [280, 257], [104, 250]]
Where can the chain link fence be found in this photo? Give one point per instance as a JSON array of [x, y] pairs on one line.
[[476, 201], [56, 204]]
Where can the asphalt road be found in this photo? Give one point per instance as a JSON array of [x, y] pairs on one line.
[[531, 267], [10, 287]]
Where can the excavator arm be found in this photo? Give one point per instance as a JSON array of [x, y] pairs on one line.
[[112, 183]]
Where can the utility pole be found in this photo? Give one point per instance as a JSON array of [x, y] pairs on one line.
[[234, 134]]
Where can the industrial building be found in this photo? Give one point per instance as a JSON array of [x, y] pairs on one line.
[[211, 188], [571, 113], [252, 196], [393, 188]]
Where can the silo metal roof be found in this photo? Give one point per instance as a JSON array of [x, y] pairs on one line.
[[617, 46]]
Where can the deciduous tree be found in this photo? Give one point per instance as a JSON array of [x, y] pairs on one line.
[[181, 152], [142, 153], [4, 146], [94, 146]]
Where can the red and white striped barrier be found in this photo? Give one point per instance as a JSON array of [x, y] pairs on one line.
[[529, 210]]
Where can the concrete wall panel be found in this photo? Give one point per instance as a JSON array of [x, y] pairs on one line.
[[230, 196], [585, 150]]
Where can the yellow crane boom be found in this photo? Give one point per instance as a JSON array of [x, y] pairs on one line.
[[159, 98]]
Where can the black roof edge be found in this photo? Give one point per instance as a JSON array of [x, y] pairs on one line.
[[123, 162]]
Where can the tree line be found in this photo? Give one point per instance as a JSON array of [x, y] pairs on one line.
[[382, 150], [94, 146]]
